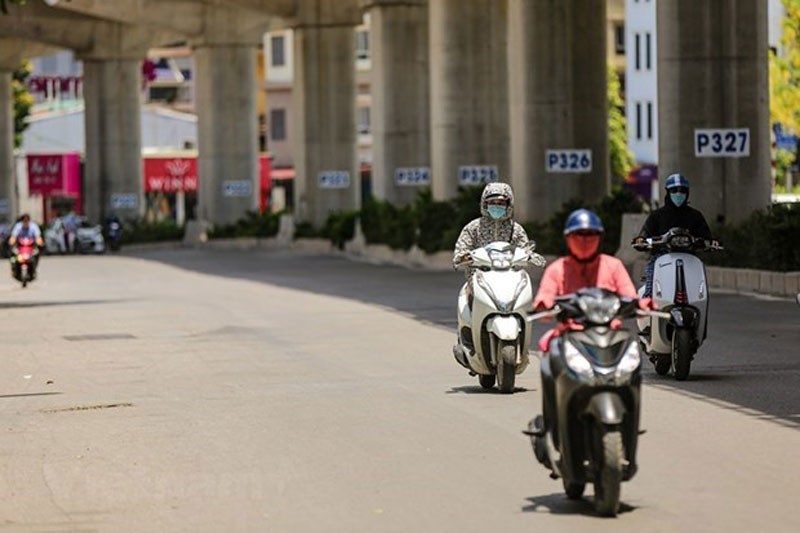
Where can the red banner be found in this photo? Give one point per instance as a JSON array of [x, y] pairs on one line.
[[170, 175], [45, 174]]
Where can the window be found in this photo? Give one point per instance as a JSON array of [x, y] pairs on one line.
[[638, 46], [364, 120], [638, 121], [647, 50], [649, 120], [362, 44], [277, 124], [278, 52], [619, 38]]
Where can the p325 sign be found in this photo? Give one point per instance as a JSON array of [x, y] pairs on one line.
[[723, 142], [568, 161], [333, 179]]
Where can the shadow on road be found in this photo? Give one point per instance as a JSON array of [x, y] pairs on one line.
[[477, 389], [558, 504], [29, 394], [749, 359], [30, 305]]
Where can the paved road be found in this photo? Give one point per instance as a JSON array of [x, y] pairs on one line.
[[265, 391]]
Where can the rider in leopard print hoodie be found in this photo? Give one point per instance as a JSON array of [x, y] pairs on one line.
[[493, 225]]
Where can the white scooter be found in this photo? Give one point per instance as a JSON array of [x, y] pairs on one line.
[[680, 289], [493, 335]]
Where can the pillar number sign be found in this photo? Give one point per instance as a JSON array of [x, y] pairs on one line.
[[333, 179], [722, 142], [477, 175], [417, 176], [568, 161], [124, 201], [237, 188]]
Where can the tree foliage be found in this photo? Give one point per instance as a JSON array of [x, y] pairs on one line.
[[784, 72], [23, 101], [622, 159]]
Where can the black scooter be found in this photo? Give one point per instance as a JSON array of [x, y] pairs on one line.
[[113, 231], [591, 380]]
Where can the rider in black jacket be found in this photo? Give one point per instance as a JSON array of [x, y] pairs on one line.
[[675, 213]]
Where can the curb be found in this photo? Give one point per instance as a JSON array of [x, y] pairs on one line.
[[736, 280]]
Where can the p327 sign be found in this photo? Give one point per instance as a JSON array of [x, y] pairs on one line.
[[723, 142], [568, 161]]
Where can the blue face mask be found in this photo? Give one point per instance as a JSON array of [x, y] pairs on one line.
[[497, 211], [678, 198]]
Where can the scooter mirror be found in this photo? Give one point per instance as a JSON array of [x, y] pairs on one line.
[[798, 298]]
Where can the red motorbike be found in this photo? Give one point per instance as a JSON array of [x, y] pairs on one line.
[[24, 258]]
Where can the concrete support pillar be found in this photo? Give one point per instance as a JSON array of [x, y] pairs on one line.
[[113, 180], [328, 177], [713, 73], [8, 189], [557, 88], [400, 95], [226, 91], [469, 89], [590, 95]]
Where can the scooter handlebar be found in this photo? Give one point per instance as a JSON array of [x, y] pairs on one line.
[[657, 314], [533, 317]]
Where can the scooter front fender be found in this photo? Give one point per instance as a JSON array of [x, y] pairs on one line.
[[504, 327], [607, 408], [685, 317]]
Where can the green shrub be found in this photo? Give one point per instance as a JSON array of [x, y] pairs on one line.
[[610, 210], [253, 224], [769, 239], [383, 223], [306, 230], [549, 235], [340, 227], [136, 231], [435, 225], [436, 221]]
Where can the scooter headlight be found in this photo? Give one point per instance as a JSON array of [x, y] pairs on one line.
[[577, 362], [630, 361], [501, 259]]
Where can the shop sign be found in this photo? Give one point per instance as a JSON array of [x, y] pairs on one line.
[[45, 174], [170, 175]]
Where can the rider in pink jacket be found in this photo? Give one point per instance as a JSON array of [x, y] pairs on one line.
[[585, 266]]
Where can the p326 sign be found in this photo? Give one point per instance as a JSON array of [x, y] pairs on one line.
[[568, 161], [723, 142]]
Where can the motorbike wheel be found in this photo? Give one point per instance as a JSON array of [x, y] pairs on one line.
[[682, 353], [662, 364], [507, 367], [574, 490], [608, 478], [487, 382]]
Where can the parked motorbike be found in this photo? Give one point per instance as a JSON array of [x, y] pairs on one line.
[[680, 289], [113, 231], [24, 258], [493, 336], [591, 379]]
